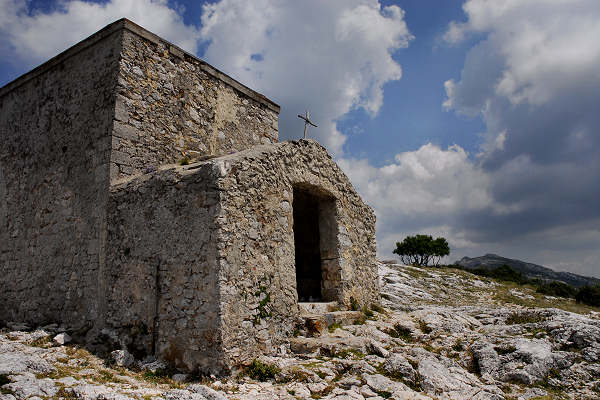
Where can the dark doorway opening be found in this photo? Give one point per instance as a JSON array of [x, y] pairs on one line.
[[315, 241]]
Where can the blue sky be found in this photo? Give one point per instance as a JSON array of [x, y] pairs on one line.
[[472, 119], [412, 113]]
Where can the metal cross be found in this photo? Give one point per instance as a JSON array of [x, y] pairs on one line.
[[307, 121]]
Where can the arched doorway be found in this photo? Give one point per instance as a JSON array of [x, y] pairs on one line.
[[316, 245]]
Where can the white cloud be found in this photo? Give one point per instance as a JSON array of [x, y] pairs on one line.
[[546, 46], [533, 77], [423, 191], [330, 57], [33, 36]]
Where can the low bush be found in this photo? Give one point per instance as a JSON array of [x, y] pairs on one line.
[[557, 289], [524, 318], [503, 273], [589, 295], [401, 332], [261, 371]]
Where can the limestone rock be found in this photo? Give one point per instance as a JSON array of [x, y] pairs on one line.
[[397, 365], [27, 385], [62, 338], [122, 358], [206, 392]]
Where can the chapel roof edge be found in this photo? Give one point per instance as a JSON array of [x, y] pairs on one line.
[[126, 24]]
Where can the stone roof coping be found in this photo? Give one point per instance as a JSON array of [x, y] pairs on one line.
[[260, 150], [132, 27]]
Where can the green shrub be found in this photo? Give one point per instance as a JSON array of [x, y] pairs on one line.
[[160, 375], [261, 371], [505, 350], [353, 304], [503, 273], [184, 161], [377, 308], [401, 332], [426, 329], [508, 274], [4, 381], [458, 346], [558, 289], [524, 318], [331, 328], [589, 295]]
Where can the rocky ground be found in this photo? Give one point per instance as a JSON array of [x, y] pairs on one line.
[[441, 334]]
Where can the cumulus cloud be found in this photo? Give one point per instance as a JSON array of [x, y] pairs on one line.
[[532, 190], [533, 77], [423, 191], [330, 57], [32, 36]]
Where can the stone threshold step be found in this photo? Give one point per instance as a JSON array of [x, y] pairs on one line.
[[316, 324], [318, 308]]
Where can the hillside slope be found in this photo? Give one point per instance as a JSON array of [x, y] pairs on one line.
[[530, 270], [443, 334]]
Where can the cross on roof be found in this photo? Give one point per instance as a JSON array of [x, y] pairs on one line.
[[307, 121]]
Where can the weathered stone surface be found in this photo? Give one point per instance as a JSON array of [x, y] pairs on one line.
[[194, 263], [170, 106], [380, 383], [448, 364], [397, 365], [206, 392], [122, 358], [26, 385], [55, 124], [62, 338]]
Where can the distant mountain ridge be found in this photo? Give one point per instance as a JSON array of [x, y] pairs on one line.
[[530, 270]]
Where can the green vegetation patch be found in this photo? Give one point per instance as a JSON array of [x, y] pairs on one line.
[[524, 318], [503, 273], [160, 375], [589, 295], [349, 353], [557, 289], [261, 371], [331, 328], [43, 342], [416, 386], [401, 332], [107, 376], [5, 381], [505, 350], [458, 346], [353, 304], [384, 393], [378, 308], [424, 327]]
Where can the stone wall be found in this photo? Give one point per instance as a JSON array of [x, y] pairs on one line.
[[171, 105], [161, 267], [55, 125], [256, 243], [200, 258], [117, 104], [194, 263]]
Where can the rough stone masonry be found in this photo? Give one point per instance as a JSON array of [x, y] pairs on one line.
[[202, 265]]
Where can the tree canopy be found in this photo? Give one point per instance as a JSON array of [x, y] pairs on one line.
[[422, 249]]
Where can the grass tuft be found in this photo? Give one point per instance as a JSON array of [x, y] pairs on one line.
[[524, 318], [261, 371], [401, 332], [424, 327]]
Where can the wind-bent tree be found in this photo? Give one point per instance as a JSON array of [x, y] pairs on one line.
[[421, 249]]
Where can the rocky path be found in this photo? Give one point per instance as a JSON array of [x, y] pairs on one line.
[[442, 334]]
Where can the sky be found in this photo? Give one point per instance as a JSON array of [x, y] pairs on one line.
[[475, 120]]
